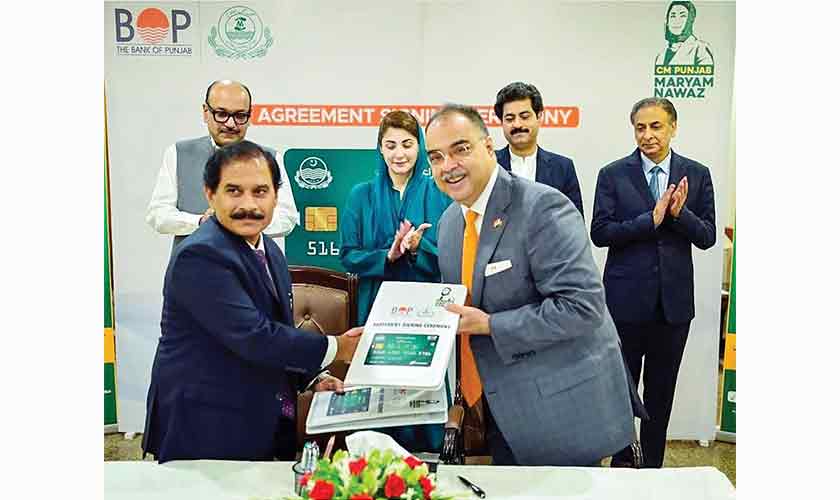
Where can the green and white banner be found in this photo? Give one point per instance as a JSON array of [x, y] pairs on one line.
[[110, 381], [727, 416]]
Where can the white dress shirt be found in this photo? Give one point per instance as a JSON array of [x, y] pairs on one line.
[[164, 217], [480, 205], [524, 167], [332, 343], [662, 178]]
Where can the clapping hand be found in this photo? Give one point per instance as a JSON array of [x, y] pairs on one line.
[[396, 250], [661, 207], [412, 239], [678, 198]]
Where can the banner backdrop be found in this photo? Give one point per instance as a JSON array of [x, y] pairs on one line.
[[110, 355], [322, 74], [727, 406]]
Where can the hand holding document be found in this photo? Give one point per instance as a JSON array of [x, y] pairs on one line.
[[347, 344], [403, 370]]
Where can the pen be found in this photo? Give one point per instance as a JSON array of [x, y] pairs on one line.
[[475, 489]]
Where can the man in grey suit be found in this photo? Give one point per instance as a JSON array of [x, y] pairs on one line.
[[549, 366]]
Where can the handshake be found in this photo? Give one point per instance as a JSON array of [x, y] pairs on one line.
[[347, 343], [406, 239]]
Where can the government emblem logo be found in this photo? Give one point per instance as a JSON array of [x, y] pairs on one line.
[[312, 173], [240, 34]]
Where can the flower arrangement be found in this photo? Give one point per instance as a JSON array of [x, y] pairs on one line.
[[379, 475]]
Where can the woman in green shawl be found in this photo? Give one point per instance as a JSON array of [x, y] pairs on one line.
[[388, 232]]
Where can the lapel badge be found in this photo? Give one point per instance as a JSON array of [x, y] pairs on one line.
[[497, 223]]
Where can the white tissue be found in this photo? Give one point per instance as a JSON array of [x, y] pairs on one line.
[[362, 442]]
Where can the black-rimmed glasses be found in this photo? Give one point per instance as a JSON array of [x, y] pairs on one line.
[[222, 116]]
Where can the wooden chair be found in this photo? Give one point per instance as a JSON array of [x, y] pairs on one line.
[[325, 302]]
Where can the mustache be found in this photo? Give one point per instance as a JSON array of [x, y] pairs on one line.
[[458, 172], [518, 129], [247, 214]]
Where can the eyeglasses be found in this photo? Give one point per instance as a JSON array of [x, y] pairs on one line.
[[460, 152], [222, 116]]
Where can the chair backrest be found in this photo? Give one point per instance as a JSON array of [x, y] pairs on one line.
[[325, 302]]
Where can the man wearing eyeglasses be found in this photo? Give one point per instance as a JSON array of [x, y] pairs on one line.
[[178, 204], [537, 345]]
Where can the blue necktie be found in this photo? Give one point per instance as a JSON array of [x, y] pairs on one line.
[[654, 182]]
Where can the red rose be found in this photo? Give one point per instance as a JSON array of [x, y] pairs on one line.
[[323, 490], [361, 496], [394, 486], [412, 462], [427, 486], [357, 466]]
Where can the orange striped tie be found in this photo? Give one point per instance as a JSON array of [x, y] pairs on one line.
[[470, 380]]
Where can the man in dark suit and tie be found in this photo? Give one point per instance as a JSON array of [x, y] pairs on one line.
[[229, 363], [519, 106], [537, 345], [650, 208]]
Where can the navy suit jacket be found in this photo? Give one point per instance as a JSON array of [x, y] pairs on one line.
[[646, 264], [554, 170], [227, 355]]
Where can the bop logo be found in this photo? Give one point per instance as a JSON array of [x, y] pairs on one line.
[[152, 32]]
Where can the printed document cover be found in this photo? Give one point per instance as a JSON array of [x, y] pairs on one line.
[[375, 407], [408, 338]]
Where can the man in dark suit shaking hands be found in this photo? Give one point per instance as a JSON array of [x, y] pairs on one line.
[[229, 363], [650, 208], [519, 106]]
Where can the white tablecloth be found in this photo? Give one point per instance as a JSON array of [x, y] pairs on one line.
[[212, 479]]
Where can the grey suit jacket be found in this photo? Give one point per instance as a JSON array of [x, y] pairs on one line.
[[551, 369]]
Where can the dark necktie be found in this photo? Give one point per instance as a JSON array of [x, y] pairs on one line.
[[287, 402], [264, 261]]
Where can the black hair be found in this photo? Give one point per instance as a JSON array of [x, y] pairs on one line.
[[467, 112], [242, 150], [207, 94], [517, 91], [660, 102]]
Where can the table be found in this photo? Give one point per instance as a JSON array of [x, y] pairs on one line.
[[213, 479]]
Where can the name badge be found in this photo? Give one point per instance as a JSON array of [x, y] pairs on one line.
[[497, 267]]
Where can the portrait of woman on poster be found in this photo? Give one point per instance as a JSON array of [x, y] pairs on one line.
[[683, 47]]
